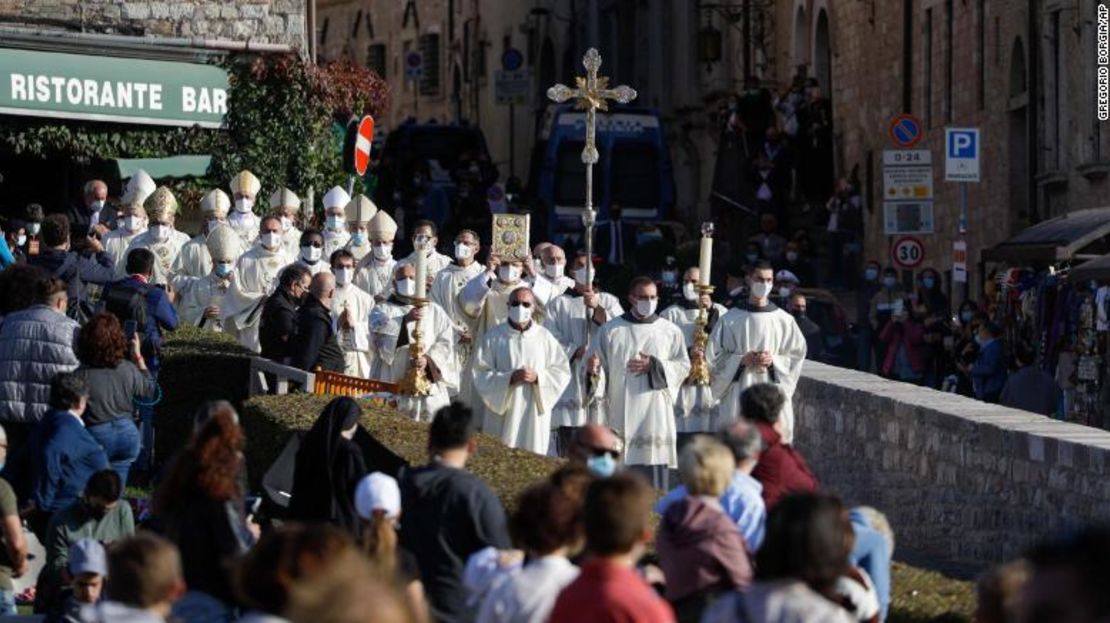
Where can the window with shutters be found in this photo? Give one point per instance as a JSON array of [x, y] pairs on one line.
[[429, 48], [375, 59]]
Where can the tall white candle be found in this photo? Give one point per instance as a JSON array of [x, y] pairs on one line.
[[705, 262], [421, 273]]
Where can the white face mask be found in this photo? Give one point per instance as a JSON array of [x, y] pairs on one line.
[[520, 315], [243, 205], [761, 289], [33, 228], [646, 307], [335, 222], [508, 273], [97, 205], [554, 271], [580, 277], [343, 275], [463, 251], [20, 241], [784, 291], [212, 224], [312, 254], [689, 291], [406, 287], [286, 223], [271, 240], [383, 251], [160, 233], [131, 224]]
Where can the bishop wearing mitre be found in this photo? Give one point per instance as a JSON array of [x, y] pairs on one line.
[[243, 220], [133, 220], [374, 273], [335, 231], [255, 277], [360, 210], [201, 300], [194, 260], [160, 237], [520, 371], [286, 205]]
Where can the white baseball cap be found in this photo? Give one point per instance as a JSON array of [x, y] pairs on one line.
[[378, 492]]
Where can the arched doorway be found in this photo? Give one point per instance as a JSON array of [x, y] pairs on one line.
[[801, 38], [822, 53], [1018, 139]]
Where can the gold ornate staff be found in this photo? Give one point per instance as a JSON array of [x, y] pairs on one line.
[[416, 382], [699, 367]]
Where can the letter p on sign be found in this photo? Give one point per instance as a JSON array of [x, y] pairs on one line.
[[961, 154]]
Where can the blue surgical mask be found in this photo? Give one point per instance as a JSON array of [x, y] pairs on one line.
[[889, 282], [602, 465], [358, 238], [871, 274], [223, 269], [928, 282], [966, 316], [335, 222]]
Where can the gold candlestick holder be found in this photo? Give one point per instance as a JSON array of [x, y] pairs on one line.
[[699, 367], [416, 382]]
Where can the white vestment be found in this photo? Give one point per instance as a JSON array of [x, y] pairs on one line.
[[436, 262], [547, 290], [695, 410], [566, 319], [246, 224], [194, 261], [485, 304], [390, 362], [519, 414], [641, 406], [375, 277], [334, 239], [445, 292], [291, 241], [256, 276], [358, 252], [115, 245], [355, 341], [196, 295], [165, 254], [743, 330]]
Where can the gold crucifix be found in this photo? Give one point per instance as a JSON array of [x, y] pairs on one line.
[[592, 95]]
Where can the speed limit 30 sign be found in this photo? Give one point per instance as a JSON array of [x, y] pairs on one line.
[[908, 252]]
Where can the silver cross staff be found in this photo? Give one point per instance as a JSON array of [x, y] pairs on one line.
[[592, 95]]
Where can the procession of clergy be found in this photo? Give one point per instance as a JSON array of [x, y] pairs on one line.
[[508, 338]]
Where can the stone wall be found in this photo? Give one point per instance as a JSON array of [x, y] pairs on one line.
[[264, 21], [962, 481]]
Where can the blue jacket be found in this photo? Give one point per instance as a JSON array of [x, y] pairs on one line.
[[63, 457], [160, 312], [988, 374]]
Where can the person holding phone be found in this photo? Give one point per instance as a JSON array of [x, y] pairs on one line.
[[903, 338]]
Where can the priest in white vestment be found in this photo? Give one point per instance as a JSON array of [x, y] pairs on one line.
[[194, 260], [520, 370], [132, 219], [312, 255], [201, 300], [244, 192], [756, 342], [485, 304], [391, 326], [449, 283], [695, 411], [424, 236], [644, 360], [160, 237], [255, 278], [350, 310], [286, 205], [360, 210], [335, 231], [551, 281], [566, 319], [374, 273]]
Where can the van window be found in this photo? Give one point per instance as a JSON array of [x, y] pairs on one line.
[[570, 176], [635, 175]]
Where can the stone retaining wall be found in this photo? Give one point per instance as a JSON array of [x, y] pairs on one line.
[[962, 481]]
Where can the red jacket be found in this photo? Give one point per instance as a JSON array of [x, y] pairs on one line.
[[609, 593], [781, 469], [909, 334]]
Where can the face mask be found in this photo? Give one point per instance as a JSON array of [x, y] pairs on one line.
[[928, 282], [97, 205], [889, 282], [554, 271], [580, 276], [286, 223], [463, 251], [689, 292], [966, 316], [131, 223], [33, 228], [160, 233], [752, 257], [312, 254], [271, 240], [335, 222], [669, 276], [784, 292], [243, 205], [799, 313], [383, 251], [791, 256], [760, 289], [223, 269], [508, 274], [646, 307], [20, 241], [871, 274], [602, 465], [406, 287], [358, 238], [520, 315], [343, 275], [421, 240], [212, 224]]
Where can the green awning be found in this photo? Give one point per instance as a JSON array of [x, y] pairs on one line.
[[159, 168]]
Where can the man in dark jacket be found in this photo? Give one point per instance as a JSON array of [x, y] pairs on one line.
[[449, 514], [279, 315], [781, 469], [75, 267], [88, 215], [313, 344]]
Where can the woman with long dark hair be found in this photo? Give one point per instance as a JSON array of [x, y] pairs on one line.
[[328, 467]]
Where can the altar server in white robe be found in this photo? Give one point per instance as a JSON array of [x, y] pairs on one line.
[[335, 231], [375, 272], [446, 288], [391, 325], [485, 304], [551, 281], [350, 310], [160, 237], [566, 319], [194, 261], [360, 210], [312, 255], [133, 217], [244, 192], [201, 300], [286, 205], [424, 233], [520, 371], [254, 279], [756, 342], [695, 409], [644, 360]]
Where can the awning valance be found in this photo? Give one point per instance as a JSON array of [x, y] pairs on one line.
[[1061, 238]]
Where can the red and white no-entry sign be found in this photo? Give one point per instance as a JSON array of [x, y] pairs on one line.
[[362, 144]]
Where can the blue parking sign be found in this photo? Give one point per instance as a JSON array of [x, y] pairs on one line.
[[961, 163]]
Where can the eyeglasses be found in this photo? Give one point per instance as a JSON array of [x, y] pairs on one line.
[[519, 304], [603, 451], [315, 243]]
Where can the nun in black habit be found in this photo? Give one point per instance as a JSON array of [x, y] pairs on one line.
[[329, 465]]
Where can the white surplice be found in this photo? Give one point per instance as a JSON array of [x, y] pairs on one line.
[[484, 301], [359, 252], [445, 292], [547, 290], [566, 319], [641, 406], [165, 254], [246, 224], [390, 362], [353, 341], [196, 295], [435, 262], [256, 275], [116, 242], [745, 329], [519, 414], [291, 241], [334, 239], [695, 410], [375, 277]]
